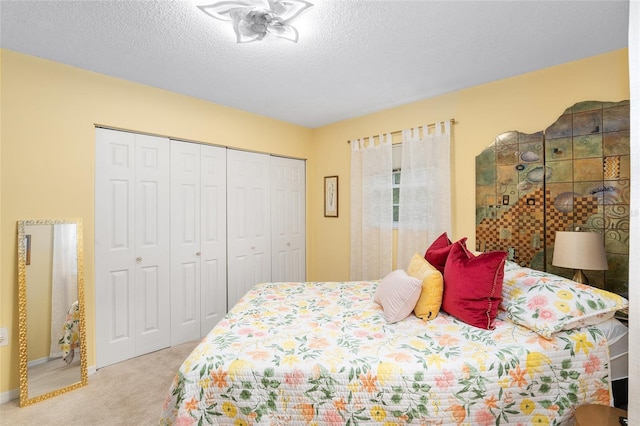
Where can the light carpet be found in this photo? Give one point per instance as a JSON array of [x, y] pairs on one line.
[[127, 393]]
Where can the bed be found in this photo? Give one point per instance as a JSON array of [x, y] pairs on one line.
[[70, 339], [325, 353]]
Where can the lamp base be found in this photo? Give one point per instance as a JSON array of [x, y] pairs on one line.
[[580, 277]]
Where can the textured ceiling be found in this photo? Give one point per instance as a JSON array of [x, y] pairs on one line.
[[354, 57]]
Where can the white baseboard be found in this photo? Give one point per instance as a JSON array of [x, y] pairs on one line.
[[9, 395], [15, 393]]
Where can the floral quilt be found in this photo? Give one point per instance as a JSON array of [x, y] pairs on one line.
[[321, 353], [70, 339]]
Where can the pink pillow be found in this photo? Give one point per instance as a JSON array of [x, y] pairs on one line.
[[438, 251], [473, 285], [398, 294]]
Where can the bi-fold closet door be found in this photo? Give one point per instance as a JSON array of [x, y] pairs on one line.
[[265, 221], [198, 239], [132, 238], [288, 225], [248, 222]]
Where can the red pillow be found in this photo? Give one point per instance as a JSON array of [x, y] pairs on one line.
[[438, 251], [473, 285]]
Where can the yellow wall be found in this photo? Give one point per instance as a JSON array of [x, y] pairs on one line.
[[48, 112], [528, 103]]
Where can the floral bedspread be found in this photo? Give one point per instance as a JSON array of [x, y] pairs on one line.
[[70, 339], [321, 353]]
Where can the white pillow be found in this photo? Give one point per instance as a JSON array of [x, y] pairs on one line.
[[546, 303], [398, 294]]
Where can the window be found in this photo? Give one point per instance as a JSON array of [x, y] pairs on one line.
[[396, 154], [396, 196]]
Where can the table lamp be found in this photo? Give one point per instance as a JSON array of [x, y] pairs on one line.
[[580, 250]]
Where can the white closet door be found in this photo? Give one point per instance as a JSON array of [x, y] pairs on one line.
[[152, 240], [288, 219], [114, 246], [198, 239], [213, 236], [185, 242], [248, 222], [131, 245]]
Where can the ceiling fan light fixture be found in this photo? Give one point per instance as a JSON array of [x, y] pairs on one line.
[[253, 20]]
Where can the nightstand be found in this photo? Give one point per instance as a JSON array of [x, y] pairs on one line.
[[598, 415]]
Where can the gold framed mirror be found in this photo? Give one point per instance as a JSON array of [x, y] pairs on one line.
[[52, 337]]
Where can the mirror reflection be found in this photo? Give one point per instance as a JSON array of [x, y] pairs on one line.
[[52, 349]]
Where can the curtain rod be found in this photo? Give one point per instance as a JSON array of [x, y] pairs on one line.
[[397, 132]]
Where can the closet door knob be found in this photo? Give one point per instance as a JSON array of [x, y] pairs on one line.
[[138, 259], [198, 253]]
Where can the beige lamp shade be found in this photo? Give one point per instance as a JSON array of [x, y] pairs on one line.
[[580, 250]]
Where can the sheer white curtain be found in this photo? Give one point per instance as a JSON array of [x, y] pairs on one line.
[[634, 236], [371, 208], [64, 288], [425, 190]]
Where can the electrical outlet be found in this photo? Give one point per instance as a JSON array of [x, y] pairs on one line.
[[4, 336]]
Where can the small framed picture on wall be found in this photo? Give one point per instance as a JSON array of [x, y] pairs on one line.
[[331, 196]]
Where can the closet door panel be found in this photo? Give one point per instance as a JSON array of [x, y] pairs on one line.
[[118, 291], [288, 219], [249, 222], [185, 242], [152, 239], [214, 294], [190, 287], [149, 317], [114, 246], [213, 236]]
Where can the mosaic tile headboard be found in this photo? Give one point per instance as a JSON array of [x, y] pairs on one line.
[[576, 173]]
